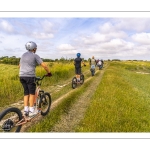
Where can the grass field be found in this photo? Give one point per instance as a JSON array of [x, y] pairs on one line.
[[11, 89], [120, 103]]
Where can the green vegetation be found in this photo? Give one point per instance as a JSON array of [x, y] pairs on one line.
[[11, 89], [121, 103], [48, 122]]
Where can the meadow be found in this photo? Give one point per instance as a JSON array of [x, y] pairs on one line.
[[11, 89], [119, 103]]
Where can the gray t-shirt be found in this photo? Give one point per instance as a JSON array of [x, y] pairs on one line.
[[28, 63]]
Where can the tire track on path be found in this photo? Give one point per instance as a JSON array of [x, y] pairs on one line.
[[53, 89], [68, 122], [60, 99]]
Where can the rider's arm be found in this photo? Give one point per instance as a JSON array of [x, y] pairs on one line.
[[45, 67], [83, 63]]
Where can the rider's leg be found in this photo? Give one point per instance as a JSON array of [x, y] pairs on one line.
[[26, 94], [31, 89], [31, 101], [78, 77], [26, 103], [78, 74]]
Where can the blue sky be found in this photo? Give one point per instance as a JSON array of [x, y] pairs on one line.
[[104, 38]]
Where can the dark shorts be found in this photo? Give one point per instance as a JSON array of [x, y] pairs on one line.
[[78, 71], [28, 84]]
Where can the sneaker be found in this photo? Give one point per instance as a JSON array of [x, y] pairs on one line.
[[34, 113]]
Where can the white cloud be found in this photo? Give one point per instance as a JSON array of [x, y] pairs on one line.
[[112, 47], [111, 31], [65, 47], [117, 44], [47, 26], [42, 35], [134, 24], [106, 28], [141, 38], [94, 38], [4, 25], [106, 33]]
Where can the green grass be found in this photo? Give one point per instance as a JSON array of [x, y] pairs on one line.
[[48, 122], [121, 103], [11, 89]]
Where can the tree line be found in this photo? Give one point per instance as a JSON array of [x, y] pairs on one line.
[[13, 60]]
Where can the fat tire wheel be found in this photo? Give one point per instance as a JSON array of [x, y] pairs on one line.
[[74, 82], [8, 111], [45, 100], [81, 79], [92, 72]]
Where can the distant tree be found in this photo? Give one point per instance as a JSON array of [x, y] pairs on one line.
[[62, 59], [115, 59]]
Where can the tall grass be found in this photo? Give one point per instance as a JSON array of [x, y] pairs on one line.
[[121, 103], [60, 72], [11, 89]]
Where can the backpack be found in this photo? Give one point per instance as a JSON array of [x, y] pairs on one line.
[[99, 63]]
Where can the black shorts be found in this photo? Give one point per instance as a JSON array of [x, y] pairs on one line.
[[28, 84], [78, 71]]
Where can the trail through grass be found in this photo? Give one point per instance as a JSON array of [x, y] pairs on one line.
[[48, 124], [121, 102]]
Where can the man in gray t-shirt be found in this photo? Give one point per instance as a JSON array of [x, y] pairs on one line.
[[28, 62], [27, 65]]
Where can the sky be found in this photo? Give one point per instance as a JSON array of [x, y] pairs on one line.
[[103, 37]]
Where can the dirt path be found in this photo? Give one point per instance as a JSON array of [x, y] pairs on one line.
[[68, 122]]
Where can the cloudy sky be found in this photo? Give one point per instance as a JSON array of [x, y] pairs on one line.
[[104, 38]]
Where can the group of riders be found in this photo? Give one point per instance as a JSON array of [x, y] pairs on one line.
[[27, 66], [95, 63], [99, 63]]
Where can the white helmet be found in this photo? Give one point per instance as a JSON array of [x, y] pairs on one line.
[[30, 45]]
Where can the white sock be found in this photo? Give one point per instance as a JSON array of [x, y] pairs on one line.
[[31, 109], [26, 108]]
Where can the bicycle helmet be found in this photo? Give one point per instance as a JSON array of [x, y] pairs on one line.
[[30, 45], [78, 55]]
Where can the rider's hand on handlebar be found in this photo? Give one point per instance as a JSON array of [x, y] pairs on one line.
[[48, 75]]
